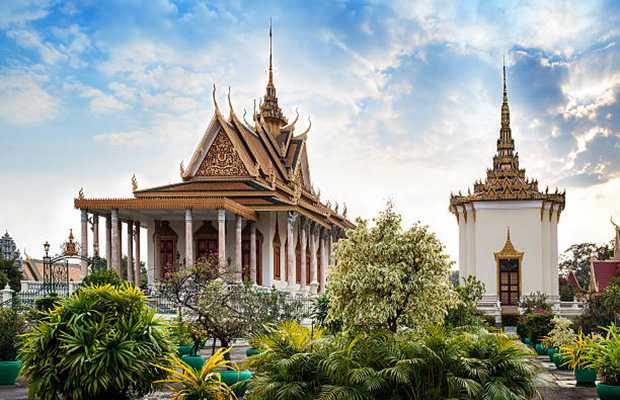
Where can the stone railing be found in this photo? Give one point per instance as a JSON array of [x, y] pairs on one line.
[[570, 309]]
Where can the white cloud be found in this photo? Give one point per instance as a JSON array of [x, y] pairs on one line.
[[100, 102], [124, 139], [18, 13], [30, 39], [23, 100], [123, 91]]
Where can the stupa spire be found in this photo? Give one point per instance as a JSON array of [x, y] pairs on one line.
[[505, 143], [269, 109]]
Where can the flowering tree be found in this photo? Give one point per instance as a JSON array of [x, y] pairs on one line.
[[225, 309], [389, 277]]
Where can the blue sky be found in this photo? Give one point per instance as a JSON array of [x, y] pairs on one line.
[[404, 99]]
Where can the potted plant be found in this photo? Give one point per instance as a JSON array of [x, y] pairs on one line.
[[180, 333], [604, 356], [207, 383], [538, 324], [11, 326], [561, 335], [575, 352], [193, 359]]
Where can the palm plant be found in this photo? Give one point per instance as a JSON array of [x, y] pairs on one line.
[[206, 384], [576, 352], [604, 356], [97, 344], [506, 371]]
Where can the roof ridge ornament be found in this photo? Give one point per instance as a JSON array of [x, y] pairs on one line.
[[134, 183], [217, 109]]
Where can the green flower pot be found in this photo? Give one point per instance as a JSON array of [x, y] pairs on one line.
[[195, 362], [559, 360], [551, 352], [607, 392], [184, 350], [232, 377], [252, 352], [540, 349], [9, 371], [585, 376]]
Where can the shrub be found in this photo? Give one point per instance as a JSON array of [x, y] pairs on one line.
[[577, 350], [46, 303], [301, 363], [103, 277], [489, 320], [538, 324], [510, 319], [99, 344], [562, 334], [11, 326], [604, 356], [595, 315], [533, 302], [465, 312], [320, 311]]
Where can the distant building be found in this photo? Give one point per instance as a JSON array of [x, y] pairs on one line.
[[508, 228], [603, 271], [9, 248]]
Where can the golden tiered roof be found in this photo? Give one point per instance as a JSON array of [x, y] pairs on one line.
[[506, 181], [242, 167]]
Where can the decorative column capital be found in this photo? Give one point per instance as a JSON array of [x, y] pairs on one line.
[[84, 213], [292, 216], [188, 215], [221, 215]]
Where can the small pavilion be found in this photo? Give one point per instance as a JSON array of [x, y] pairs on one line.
[[246, 195], [603, 271]]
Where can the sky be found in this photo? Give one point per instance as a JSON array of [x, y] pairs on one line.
[[404, 99]]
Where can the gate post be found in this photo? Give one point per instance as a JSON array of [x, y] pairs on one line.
[[7, 293]]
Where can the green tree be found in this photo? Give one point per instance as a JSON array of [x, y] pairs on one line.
[[12, 271], [578, 257], [389, 277], [465, 312]]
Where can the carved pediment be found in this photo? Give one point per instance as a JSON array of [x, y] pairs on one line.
[[222, 159]]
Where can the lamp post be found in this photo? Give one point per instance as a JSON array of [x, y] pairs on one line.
[[46, 267]]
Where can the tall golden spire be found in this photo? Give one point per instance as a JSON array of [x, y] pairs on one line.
[[505, 143], [269, 110]]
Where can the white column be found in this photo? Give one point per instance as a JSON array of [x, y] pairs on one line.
[[314, 237], [157, 251], [130, 267], [120, 250], [136, 235], [189, 239], [108, 240], [96, 230], [304, 237], [253, 252], [553, 230], [238, 255], [84, 248], [330, 247], [115, 264], [324, 256], [221, 235], [290, 267]]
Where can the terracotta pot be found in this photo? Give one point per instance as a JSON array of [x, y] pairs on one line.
[[9, 371], [608, 392]]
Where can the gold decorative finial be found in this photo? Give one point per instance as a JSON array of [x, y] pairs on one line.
[[344, 211], [70, 248], [182, 168], [81, 194], [270, 84], [217, 109], [134, 183]]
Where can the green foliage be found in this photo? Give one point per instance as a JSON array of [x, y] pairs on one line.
[[204, 385], [465, 312], [44, 304], [11, 326], [510, 319], [3, 279], [454, 278], [99, 344], [320, 312], [578, 257], [301, 363], [598, 312], [103, 277], [604, 356], [562, 334], [538, 324], [225, 309], [12, 271], [534, 301], [180, 331], [567, 292], [389, 277]]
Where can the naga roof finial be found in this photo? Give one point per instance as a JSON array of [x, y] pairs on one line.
[[217, 109]]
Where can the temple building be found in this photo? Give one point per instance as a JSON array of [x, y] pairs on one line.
[[246, 195], [508, 228], [603, 271]]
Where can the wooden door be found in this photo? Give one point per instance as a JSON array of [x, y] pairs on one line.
[[167, 253], [509, 285]]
